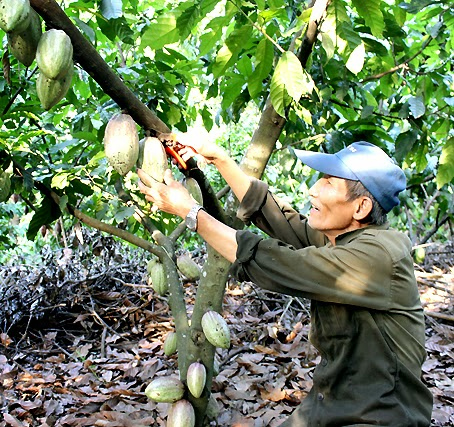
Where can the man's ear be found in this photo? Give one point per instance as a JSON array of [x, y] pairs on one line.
[[363, 209]]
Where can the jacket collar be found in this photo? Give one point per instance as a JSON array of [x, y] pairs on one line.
[[349, 236]]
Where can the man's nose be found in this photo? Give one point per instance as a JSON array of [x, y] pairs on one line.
[[313, 191]]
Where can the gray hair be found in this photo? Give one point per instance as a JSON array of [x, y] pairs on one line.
[[356, 189]]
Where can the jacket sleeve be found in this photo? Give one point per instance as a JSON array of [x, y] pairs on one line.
[[276, 218], [360, 274]]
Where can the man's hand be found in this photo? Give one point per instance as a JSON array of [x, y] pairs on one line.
[[171, 196], [200, 145]]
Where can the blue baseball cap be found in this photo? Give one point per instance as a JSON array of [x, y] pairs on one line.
[[364, 162]]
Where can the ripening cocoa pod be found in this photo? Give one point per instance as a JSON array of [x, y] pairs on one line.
[[158, 279], [5, 186], [23, 45], [194, 189], [188, 267], [51, 91], [54, 55], [165, 390], [170, 344], [215, 329], [181, 414], [152, 158], [196, 378], [121, 143], [14, 15]]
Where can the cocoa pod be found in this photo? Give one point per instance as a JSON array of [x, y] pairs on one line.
[[51, 91], [215, 329], [165, 390], [194, 189], [158, 279], [54, 55], [170, 344], [14, 15], [23, 45], [188, 267], [121, 143], [196, 378], [152, 158], [213, 410], [181, 414]]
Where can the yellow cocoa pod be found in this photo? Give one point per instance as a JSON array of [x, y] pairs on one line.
[[54, 55], [196, 378], [152, 158], [165, 390], [170, 344], [121, 143], [188, 267], [52, 91], [23, 45], [215, 329], [14, 15], [181, 414], [194, 189]]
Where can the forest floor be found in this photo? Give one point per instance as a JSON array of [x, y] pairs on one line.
[[81, 337]]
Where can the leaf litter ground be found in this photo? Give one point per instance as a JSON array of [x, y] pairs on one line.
[[82, 336]]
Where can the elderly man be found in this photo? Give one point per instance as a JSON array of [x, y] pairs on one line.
[[366, 317]]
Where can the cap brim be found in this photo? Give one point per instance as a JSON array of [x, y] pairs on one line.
[[329, 164]]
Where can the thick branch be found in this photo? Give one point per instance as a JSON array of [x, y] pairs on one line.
[[90, 60], [318, 10]]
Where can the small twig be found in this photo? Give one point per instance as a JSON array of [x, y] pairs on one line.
[[279, 48], [437, 315]]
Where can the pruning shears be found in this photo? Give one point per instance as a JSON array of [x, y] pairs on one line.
[[172, 146]]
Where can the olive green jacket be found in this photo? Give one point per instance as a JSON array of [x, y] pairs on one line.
[[366, 317]]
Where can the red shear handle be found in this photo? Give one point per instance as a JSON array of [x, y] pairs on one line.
[[172, 152]]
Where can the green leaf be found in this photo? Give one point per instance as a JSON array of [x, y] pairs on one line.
[[264, 57], [123, 213], [187, 20], [232, 47], [373, 17], [47, 213], [289, 80], [404, 144], [445, 172], [161, 33], [112, 8], [417, 107], [416, 5], [355, 62]]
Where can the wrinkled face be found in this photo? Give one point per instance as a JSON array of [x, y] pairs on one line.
[[331, 213]]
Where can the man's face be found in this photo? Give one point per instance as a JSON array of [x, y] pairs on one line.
[[331, 213]]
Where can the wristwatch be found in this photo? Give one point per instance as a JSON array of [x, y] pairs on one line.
[[191, 217]]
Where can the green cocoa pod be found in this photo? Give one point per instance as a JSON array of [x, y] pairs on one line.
[[54, 54], [170, 344], [188, 267], [23, 45], [52, 91], [5, 186], [194, 189], [158, 279], [181, 414], [215, 329], [152, 158], [165, 390], [121, 143], [196, 378], [14, 15], [213, 410]]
